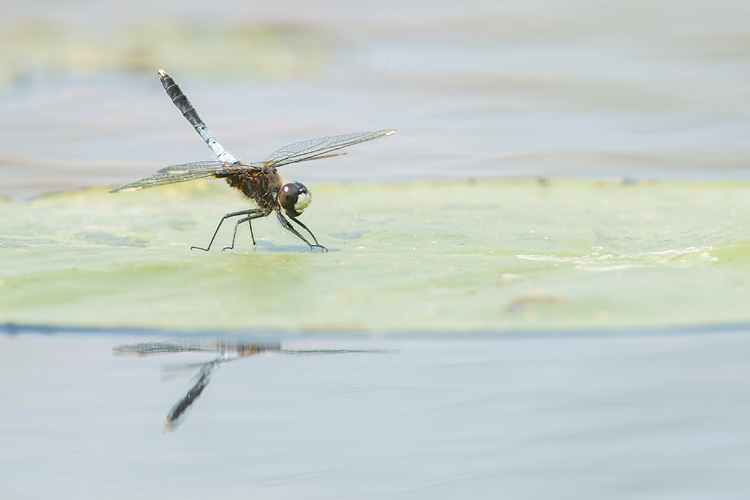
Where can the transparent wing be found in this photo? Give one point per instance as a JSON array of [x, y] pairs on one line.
[[299, 151], [163, 347], [320, 148], [186, 172]]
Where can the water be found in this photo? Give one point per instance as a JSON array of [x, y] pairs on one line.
[[544, 88], [657, 415], [477, 89]]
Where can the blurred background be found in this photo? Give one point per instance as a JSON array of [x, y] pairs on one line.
[[477, 88]]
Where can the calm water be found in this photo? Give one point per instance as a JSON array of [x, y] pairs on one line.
[[477, 88], [559, 416]]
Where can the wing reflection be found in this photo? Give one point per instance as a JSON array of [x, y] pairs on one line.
[[227, 351]]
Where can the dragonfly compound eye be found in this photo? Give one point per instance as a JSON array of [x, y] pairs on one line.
[[294, 198]]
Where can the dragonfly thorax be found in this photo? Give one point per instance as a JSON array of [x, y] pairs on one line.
[[294, 198]]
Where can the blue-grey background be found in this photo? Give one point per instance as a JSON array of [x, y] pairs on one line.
[[477, 88]]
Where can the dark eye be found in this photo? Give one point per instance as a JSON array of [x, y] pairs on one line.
[[294, 198]]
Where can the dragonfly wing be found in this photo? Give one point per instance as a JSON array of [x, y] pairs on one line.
[[186, 172], [163, 347], [320, 148], [198, 166]]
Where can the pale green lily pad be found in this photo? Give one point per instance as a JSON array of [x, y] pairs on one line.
[[424, 257]]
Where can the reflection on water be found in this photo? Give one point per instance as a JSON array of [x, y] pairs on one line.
[[226, 351], [650, 415]]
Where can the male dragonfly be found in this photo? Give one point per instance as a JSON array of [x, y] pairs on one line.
[[259, 181], [227, 351]]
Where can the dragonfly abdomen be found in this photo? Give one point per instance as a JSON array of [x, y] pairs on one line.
[[188, 111]]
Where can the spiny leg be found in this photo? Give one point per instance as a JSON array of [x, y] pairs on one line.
[[252, 235], [286, 225], [233, 214], [249, 223], [306, 229]]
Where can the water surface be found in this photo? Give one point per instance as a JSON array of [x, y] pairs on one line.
[[657, 415], [477, 89]]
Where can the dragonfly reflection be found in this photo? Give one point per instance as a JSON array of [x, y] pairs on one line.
[[227, 352], [259, 181]]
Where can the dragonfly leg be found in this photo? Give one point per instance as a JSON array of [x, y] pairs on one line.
[[252, 211], [247, 219], [306, 229], [286, 225], [252, 236]]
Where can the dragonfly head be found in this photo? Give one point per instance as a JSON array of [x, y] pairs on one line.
[[294, 198]]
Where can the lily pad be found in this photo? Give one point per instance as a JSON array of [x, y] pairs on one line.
[[486, 255]]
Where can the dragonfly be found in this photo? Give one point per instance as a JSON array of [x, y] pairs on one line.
[[259, 181], [227, 351]]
